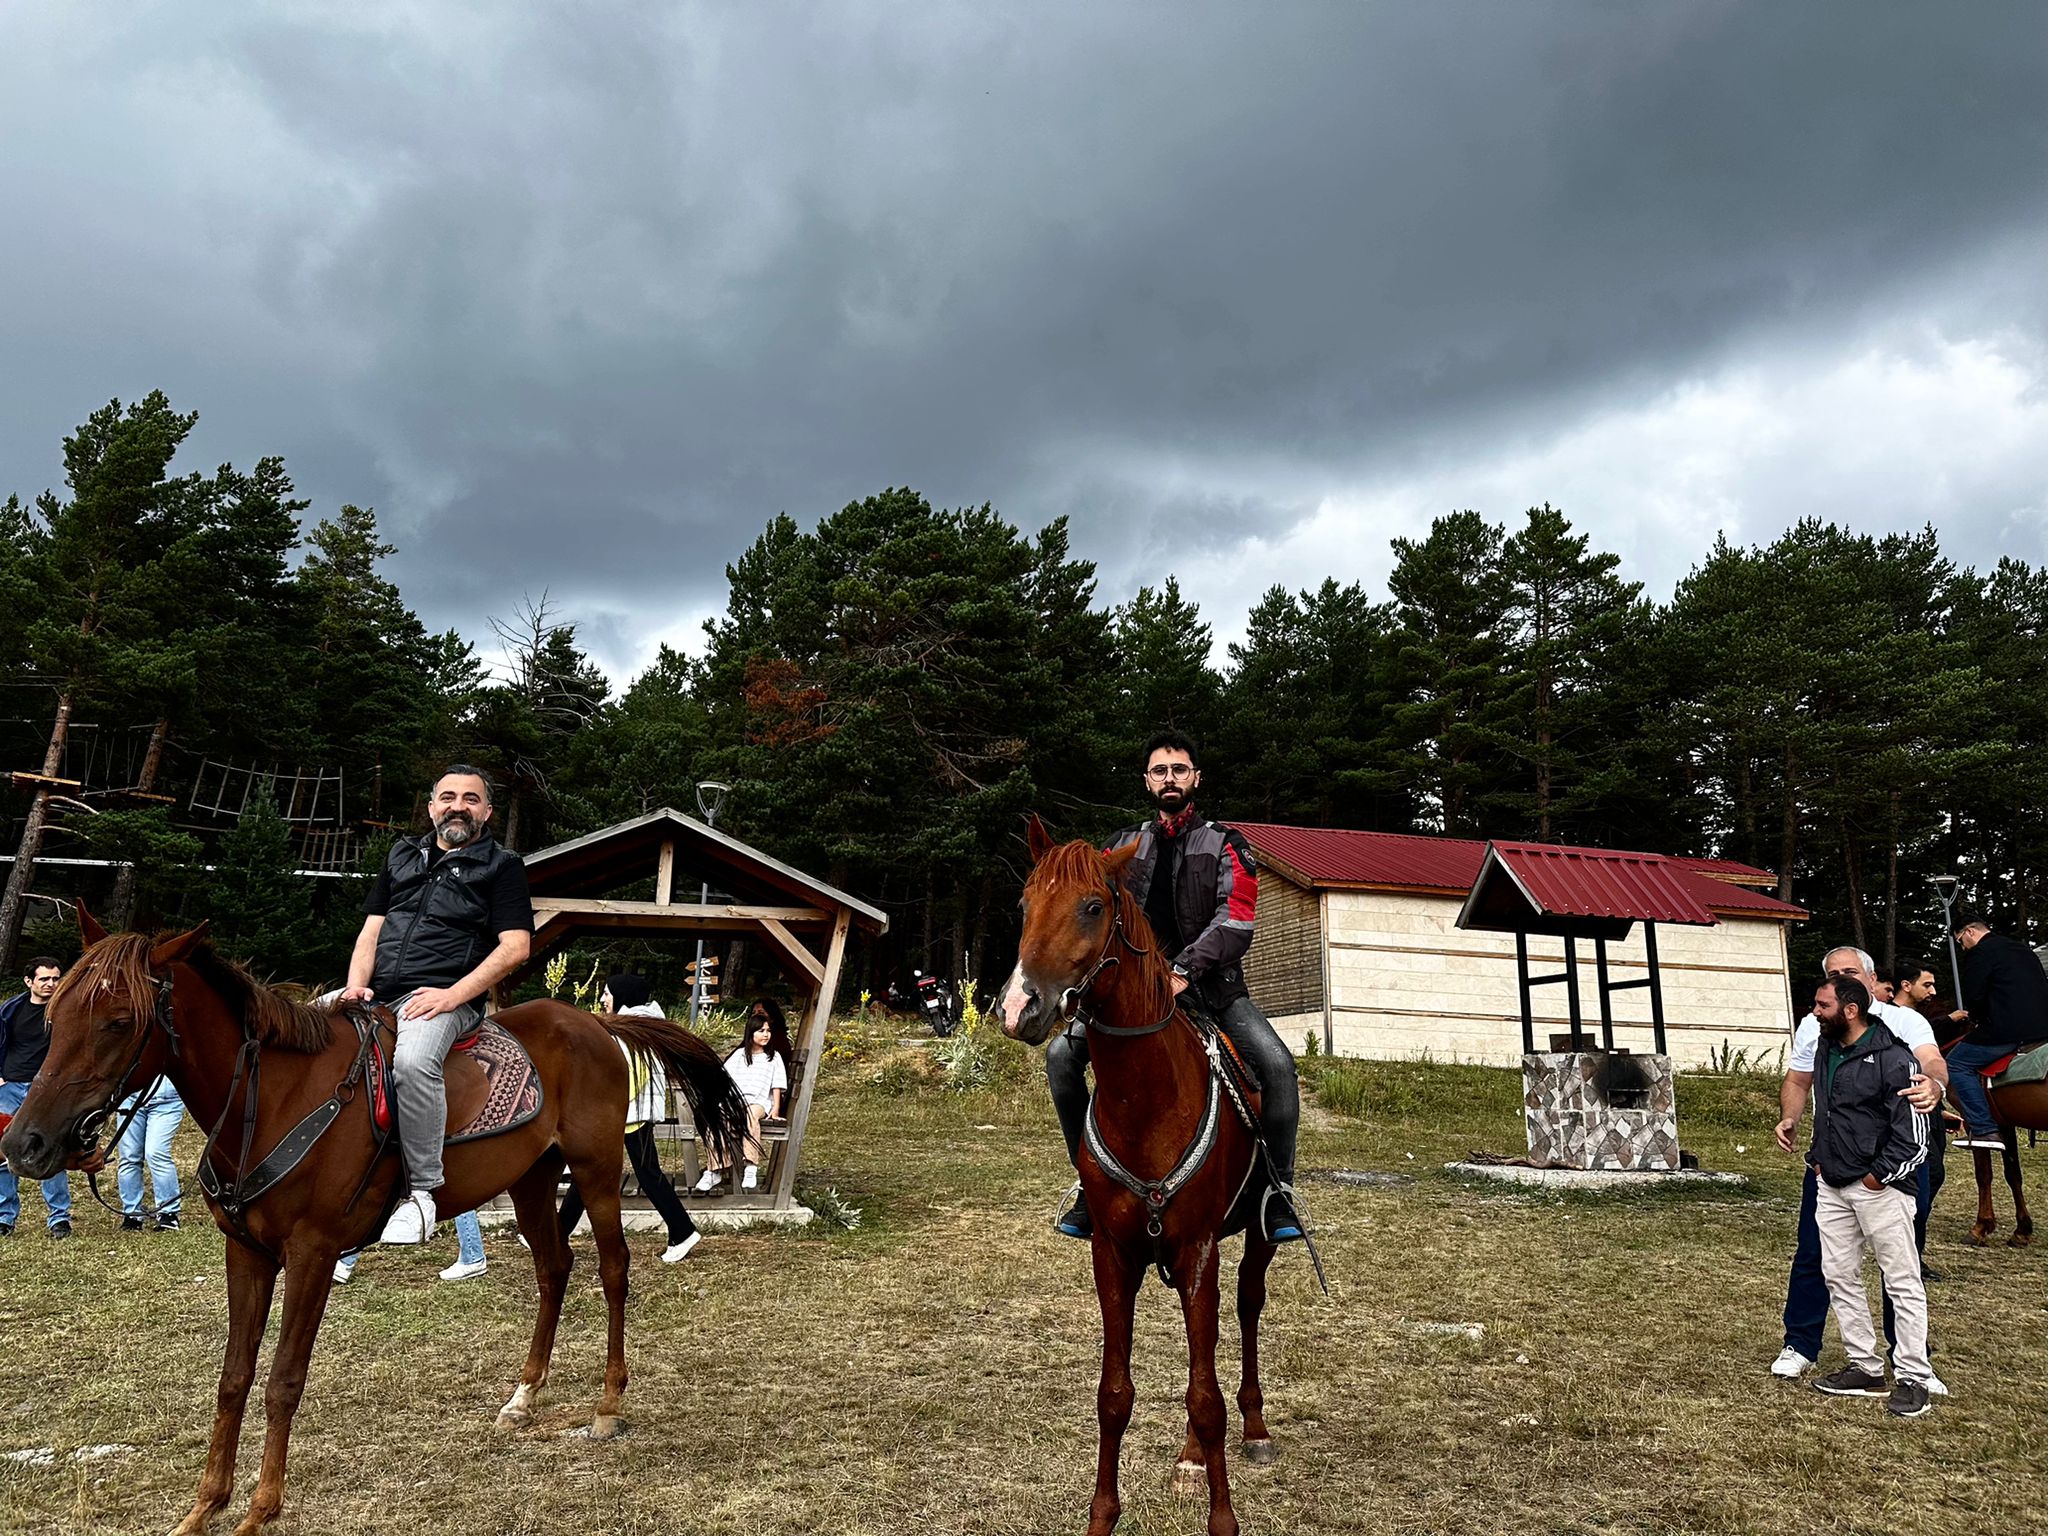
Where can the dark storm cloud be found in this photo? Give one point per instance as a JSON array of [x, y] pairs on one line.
[[579, 297]]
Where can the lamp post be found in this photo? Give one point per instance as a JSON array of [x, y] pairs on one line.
[[710, 797], [1945, 888]]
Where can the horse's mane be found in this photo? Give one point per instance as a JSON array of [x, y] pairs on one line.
[[1079, 861], [120, 962]]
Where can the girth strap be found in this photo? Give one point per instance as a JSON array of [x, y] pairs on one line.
[[1155, 1193]]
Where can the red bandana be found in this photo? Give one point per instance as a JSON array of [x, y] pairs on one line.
[[1173, 826]]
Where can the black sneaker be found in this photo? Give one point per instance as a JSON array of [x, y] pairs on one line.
[[1909, 1400], [61, 1229], [1076, 1222], [6, 1229], [131, 1223], [167, 1221], [1850, 1382]]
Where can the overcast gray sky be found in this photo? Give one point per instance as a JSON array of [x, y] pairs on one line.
[[578, 296]]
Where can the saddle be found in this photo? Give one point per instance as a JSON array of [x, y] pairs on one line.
[[491, 1081], [2027, 1064]]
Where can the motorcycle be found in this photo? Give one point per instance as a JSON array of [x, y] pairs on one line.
[[937, 1001]]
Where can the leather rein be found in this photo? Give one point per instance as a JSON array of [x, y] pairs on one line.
[[249, 1183]]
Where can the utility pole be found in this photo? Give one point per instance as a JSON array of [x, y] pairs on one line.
[[710, 797]]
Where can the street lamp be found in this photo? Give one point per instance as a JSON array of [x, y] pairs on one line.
[[1945, 888], [710, 799]]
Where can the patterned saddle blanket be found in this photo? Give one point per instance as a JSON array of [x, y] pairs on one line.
[[492, 1085], [2028, 1066]]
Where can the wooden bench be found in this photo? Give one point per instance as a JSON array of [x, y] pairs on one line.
[[682, 1131]]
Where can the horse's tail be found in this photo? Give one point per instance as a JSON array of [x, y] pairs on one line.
[[697, 1073]]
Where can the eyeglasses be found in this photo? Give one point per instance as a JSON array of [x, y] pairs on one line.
[[1159, 773], [1845, 975]]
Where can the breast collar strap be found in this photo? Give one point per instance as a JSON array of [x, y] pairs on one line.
[[1154, 1193]]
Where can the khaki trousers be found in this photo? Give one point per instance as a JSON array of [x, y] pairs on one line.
[[1881, 1220]]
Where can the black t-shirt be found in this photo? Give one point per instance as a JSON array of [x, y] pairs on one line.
[[505, 894], [28, 1042], [1161, 908]]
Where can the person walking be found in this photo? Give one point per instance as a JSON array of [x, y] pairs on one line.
[[158, 1111]]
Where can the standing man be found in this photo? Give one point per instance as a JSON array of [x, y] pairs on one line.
[[1867, 1141], [2005, 1000], [448, 918], [148, 1140], [1200, 891], [1806, 1289], [24, 1042]]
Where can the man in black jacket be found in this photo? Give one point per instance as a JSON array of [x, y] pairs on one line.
[[448, 918], [1868, 1144], [1199, 887], [2005, 996]]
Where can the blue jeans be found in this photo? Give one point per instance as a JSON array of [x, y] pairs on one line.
[[469, 1239], [1965, 1063], [56, 1188], [148, 1139], [1806, 1292]]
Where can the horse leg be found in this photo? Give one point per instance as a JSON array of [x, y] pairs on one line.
[[1117, 1277], [1251, 1301], [251, 1280], [601, 1198], [1195, 1274], [533, 1199], [2022, 1219], [1987, 1218], [308, 1277]]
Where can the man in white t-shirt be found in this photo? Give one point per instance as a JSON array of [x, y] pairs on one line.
[[1806, 1289]]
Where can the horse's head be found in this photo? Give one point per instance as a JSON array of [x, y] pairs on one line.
[[105, 1042], [1070, 909]]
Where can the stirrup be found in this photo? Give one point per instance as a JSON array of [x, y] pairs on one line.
[[1294, 1231], [1072, 1218]]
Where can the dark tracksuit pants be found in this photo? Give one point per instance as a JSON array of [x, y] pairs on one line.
[[654, 1183], [1066, 1073], [1806, 1292]]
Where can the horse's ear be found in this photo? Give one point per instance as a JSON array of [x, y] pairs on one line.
[[1119, 861], [171, 951], [1040, 839], [89, 928]]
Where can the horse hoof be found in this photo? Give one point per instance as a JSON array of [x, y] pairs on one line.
[[1261, 1453], [604, 1426], [2020, 1240], [1190, 1478], [1979, 1238], [507, 1419]]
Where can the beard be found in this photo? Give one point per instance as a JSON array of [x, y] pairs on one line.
[[1834, 1030], [456, 829], [1170, 798]]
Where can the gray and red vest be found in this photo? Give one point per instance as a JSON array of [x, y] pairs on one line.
[[1215, 898]]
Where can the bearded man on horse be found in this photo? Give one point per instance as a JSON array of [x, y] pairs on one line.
[[448, 918], [1199, 888]]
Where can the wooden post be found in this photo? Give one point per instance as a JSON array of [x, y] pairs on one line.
[[814, 1052], [1528, 1003], [665, 873], [1606, 995]]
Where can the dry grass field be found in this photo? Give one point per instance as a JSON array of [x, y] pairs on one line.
[[933, 1370]]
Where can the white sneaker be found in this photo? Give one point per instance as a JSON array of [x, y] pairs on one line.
[[461, 1271], [705, 1185], [675, 1253], [413, 1221], [1935, 1385], [342, 1272], [1790, 1364], [751, 1179]]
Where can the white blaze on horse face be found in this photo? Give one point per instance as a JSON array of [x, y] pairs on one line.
[[1014, 1001]]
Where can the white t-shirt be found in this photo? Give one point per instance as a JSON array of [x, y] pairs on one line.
[[1912, 1031], [758, 1078]]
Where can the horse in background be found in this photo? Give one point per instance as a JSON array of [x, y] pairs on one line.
[[246, 1056], [1087, 952], [2016, 1107]]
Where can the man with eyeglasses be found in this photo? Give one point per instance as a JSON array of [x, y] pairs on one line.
[[1200, 890], [1806, 1289]]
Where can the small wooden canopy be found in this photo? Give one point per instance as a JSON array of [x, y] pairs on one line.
[[804, 921]]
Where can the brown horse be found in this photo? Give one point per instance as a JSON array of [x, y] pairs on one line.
[[1087, 950], [2016, 1107], [132, 1009]]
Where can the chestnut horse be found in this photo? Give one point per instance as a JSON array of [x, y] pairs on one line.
[[131, 1009], [1087, 951], [2016, 1107]]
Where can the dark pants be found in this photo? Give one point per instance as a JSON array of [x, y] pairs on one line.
[[654, 1184], [1806, 1292], [1066, 1073], [1966, 1081]]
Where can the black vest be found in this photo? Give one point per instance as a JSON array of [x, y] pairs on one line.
[[438, 925]]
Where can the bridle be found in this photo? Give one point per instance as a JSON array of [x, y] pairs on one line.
[[86, 1134], [1073, 1000]]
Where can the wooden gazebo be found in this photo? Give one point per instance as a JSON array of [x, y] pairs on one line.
[[803, 921]]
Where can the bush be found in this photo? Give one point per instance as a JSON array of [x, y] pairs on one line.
[[979, 1057]]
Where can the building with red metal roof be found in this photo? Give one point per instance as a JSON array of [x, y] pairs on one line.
[[1357, 942]]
